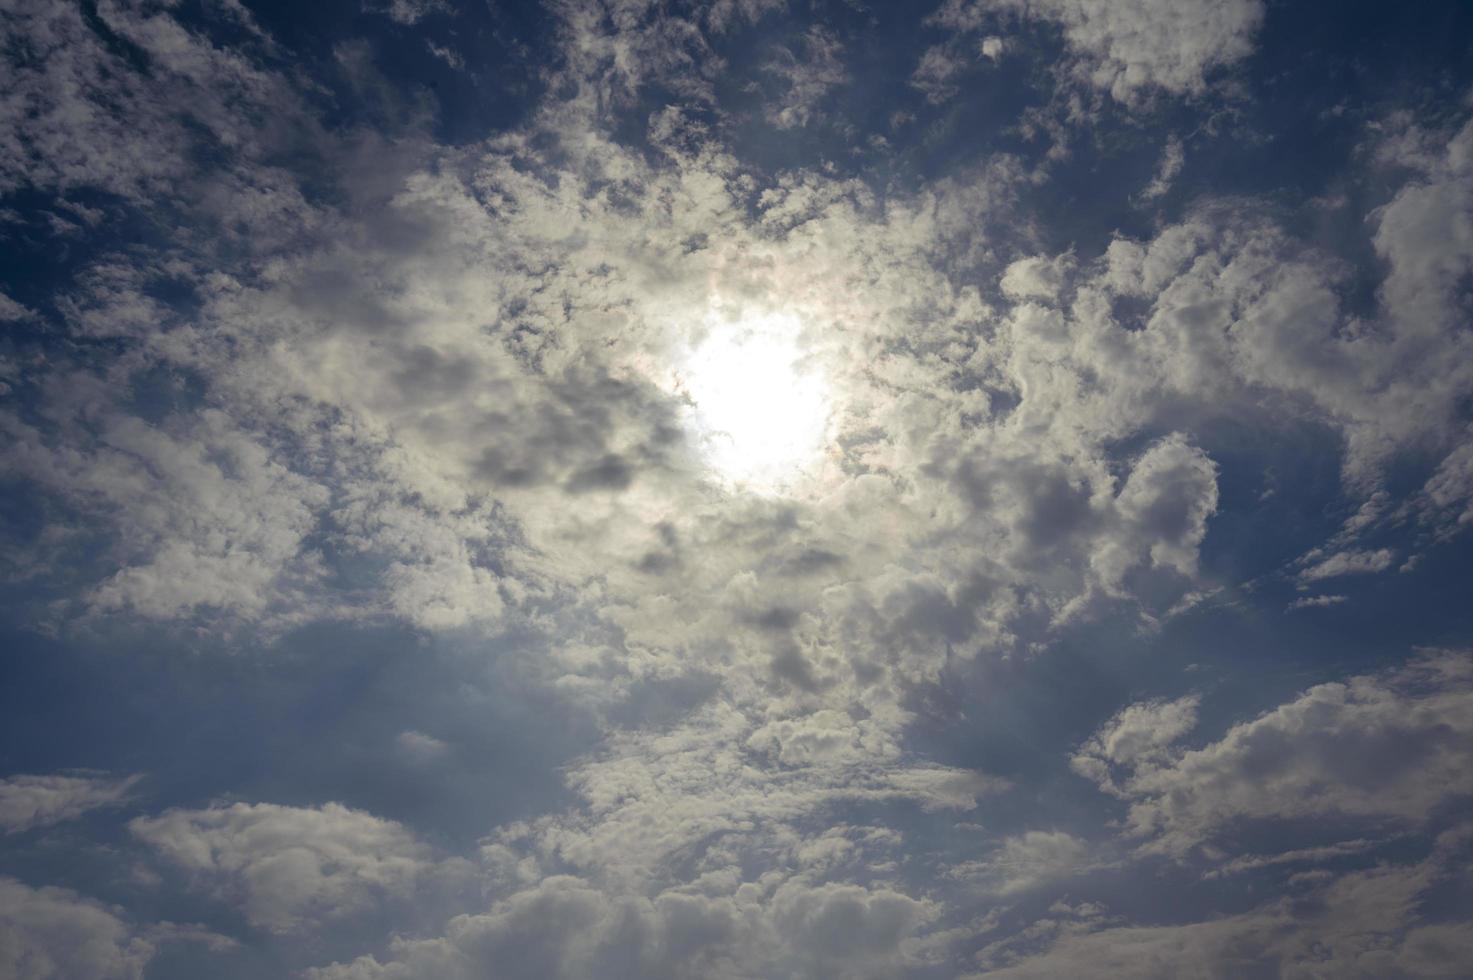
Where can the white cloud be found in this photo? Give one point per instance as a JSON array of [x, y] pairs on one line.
[[696, 789], [567, 928], [1361, 925], [447, 391], [1352, 562], [1131, 47], [1036, 277], [1388, 748], [56, 934], [447, 54], [1239, 318], [290, 868], [212, 520], [432, 454], [27, 802], [1304, 855], [1027, 861], [809, 77], [1173, 158], [1140, 735], [936, 73], [1165, 505], [421, 747], [80, 116], [1425, 232], [1317, 601]]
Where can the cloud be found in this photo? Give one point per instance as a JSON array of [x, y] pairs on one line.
[[1349, 563], [937, 73], [1173, 158], [11, 311], [809, 78], [289, 868], [1030, 860], [1447, 497], [421, 747], [1166, 502], [449, 55], [1304, 855], [56, 934], [1036, 277], [28, 802], [1360, 925], [645, 876], [409, 12], [1140, 735], [212, 522], [1238, 316], [1317, 601], [1131, 48], [357, 375], [695, 791], [89, 109], [564, 928], [417, 453], [1385, 749], [1425, 232]]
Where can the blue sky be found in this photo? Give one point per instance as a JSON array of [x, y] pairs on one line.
[[736, 490]]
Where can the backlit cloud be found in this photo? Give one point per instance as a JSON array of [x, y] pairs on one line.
[[614, 489]]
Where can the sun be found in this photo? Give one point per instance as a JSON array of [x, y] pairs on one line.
[[760, 404]]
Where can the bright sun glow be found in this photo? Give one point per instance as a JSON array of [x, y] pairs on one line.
[[760, 407]]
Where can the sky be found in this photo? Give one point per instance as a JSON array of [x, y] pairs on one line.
[[772, 489]]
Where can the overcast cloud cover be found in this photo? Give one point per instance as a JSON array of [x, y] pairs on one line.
[[737, 489]]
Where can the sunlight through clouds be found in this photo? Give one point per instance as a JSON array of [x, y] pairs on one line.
[[735, 490], [759, 404]]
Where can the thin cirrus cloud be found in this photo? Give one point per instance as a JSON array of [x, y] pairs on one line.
[[723, 490]]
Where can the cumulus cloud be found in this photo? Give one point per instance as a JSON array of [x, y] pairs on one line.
[[695, 792], [1425, 232], [1141, 734], [414, 475], [361, 375], [646, 876], [1165, 504], [564, 928], [56, 934], [1388, 748], [1236, 311], [290, 867], [1036, 277]]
